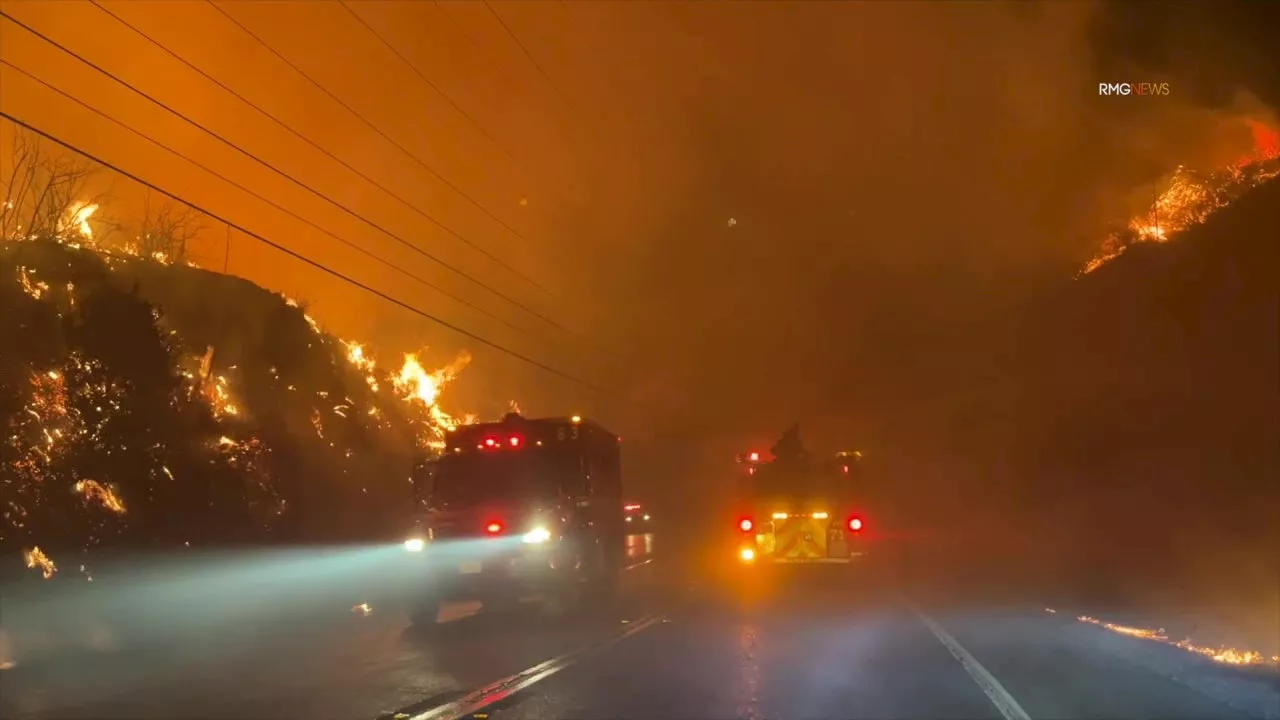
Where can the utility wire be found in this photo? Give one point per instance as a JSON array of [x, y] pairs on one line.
[[275, 169], [272, 203], [405, 151], [537, 66], [427, 81], [298, 256]]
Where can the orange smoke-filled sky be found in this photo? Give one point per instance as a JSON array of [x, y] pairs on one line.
[[730, 215]]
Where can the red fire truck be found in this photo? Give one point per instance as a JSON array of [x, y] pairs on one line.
[[520, 509]]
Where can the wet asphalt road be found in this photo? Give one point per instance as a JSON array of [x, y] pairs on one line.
[[830, 642]]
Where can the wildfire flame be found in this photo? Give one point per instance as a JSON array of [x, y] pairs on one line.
[[1190, 197], [77, 220], [1229, 656], [415, 383]]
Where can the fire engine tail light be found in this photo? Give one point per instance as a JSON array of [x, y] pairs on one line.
[[855, 524], [746, 525]]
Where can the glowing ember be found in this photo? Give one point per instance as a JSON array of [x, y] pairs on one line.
[[1229, 656], [31, 286], [103, 495], [220, 397], [36, 559]]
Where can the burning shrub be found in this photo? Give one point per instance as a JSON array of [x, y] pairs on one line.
[[147, 403]]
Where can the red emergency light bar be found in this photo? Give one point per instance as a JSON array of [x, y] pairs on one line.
[[631, 507], [491, 443]]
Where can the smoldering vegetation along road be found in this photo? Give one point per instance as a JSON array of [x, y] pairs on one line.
[[1123, 459]]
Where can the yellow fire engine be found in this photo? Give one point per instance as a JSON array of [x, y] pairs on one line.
[[800, 509]]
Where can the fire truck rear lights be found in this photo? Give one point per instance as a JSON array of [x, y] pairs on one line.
[[754, 457], [493, 528], [746, 525], [855, 524], [490, 442], [515, 441]]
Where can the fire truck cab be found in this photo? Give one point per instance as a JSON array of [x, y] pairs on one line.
[[801, 509], [520, 509]]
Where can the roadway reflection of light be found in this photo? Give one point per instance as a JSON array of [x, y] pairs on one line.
[[205, 599], [747, 683]]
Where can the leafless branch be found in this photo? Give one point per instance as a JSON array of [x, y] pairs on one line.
[[168, 230], [42, 188]]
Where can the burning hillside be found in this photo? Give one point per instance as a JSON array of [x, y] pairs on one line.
[[1187, 197], [150, 402]]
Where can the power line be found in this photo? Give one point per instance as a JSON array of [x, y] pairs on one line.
[[395, 144], [537, 66], [298, 256], [272, 167], [427, 81], [272, 203]]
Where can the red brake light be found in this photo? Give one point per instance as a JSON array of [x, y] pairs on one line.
[[490, 442], [515, 441], [745, 525], [493, 528], [855, 524]]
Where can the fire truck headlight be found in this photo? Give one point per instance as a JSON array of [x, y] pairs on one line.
[[414, 544], [537, 536]]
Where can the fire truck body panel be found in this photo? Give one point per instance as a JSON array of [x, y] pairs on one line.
[[521, 507], [800, 513]]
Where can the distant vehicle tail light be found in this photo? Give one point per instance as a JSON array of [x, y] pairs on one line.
[[855, 524], [515, 441], [493, 528], [746, 525]]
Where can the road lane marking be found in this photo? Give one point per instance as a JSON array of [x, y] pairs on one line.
[[999, 697], [499, 690]]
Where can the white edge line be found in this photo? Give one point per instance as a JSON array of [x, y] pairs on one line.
[[999, 697], [499, 689]]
